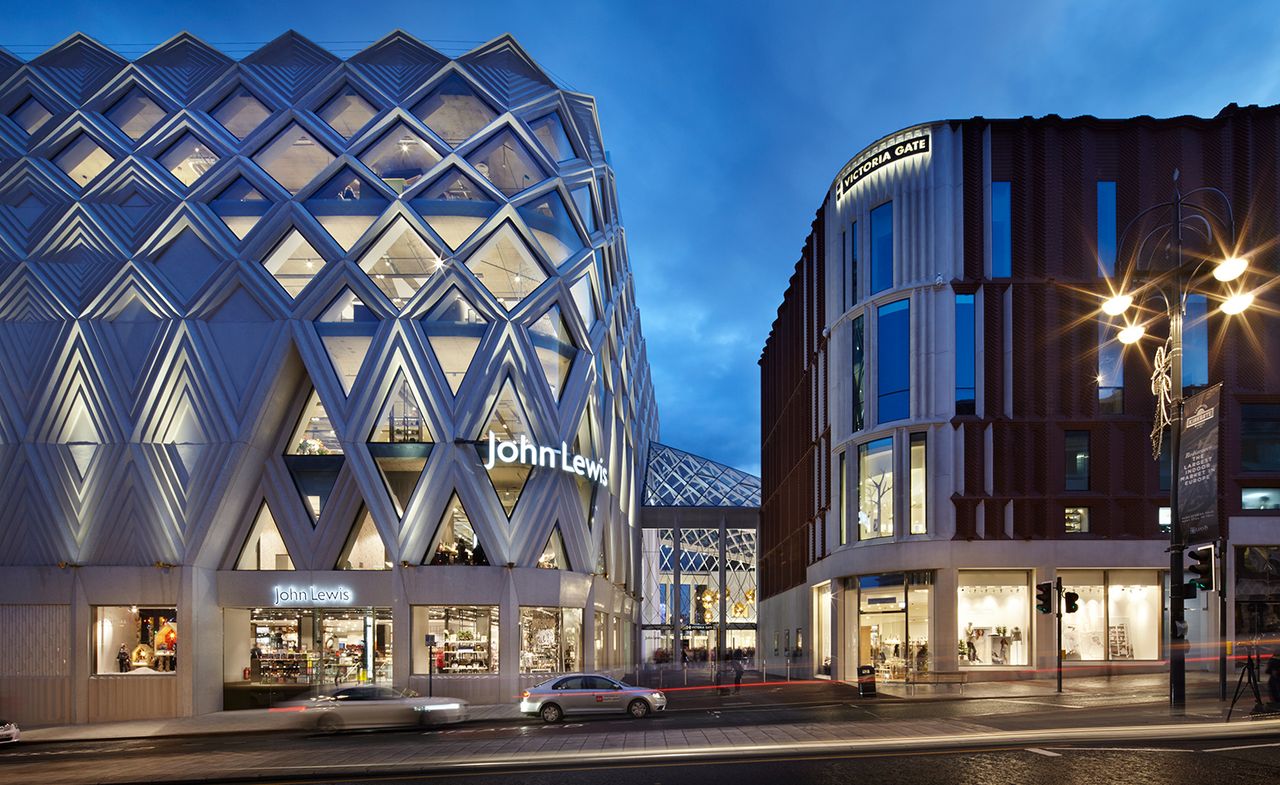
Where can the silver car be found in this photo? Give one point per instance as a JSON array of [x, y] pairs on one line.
[[372, 706], [588, 693]]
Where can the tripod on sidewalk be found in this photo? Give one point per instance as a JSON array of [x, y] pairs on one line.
[[1248, 677]]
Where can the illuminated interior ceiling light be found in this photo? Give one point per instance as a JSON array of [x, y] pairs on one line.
[[1230, 269], [1117, 304], [1132, 333], [1237, 303]]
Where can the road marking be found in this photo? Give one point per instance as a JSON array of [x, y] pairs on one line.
[[1045, 753], [1040, 703], [1126, 749], [1243, 747]]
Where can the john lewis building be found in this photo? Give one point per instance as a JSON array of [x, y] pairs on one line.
[[946, 421], [302, 360]]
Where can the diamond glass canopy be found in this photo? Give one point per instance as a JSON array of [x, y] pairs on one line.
[[679, 479]]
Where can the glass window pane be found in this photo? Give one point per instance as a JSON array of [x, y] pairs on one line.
[[586, 207], [264, 549], [859, 374], [314, 434], [293, 158], [454, 111], [993, 616], [1260, 498], [882, 248], [1084, 632], [1076, 460], [1260, 437], [241, 113], [294, 262], [1075, 520], [455, 541], [506, 268], [893, 356], [553, 555], [1107, 227], [188, 159], [1110, 371], [401, 420], [842, 500], [919, 474], [875, 489], [555, 348], [401, 262], [364, 549], [347, 328], [549, 221], [400, 157], [136, 640], [346, 207], [240, 206], [550, 133], [1001, 231], [83, 160], [966, 367], [347, 112], [454, 329], [454, 206], [507, 422], [1195, 342], [550, 640], [30, 115], [135, 114], [1133, 614], [505, 162], [466, 639]]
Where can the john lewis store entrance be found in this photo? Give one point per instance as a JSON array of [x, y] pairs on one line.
[[275, 654]]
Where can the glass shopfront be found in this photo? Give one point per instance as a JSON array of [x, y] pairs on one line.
[[1119, 618], [822, 630], [134, 640], [550, 640], [315, 646], [466, 639], [893, 623], [993, 613]]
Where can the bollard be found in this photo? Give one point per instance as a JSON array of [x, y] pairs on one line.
[[788, 669]]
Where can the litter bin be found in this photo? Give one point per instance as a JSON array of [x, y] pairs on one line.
[[866, 681]]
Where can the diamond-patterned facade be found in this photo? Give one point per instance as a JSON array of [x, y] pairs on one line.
[[195, 370]]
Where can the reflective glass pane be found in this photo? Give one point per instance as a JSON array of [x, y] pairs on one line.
[[859, 371], [454, 329], [586, 207], [293, 158], [553, 555], [264, 549], [83, 160], [505, 162], [893, 354], [1195, 342], [401, 262], [454, 207], [555, 348], [1107, 227], [346, 206], [585, 299], [965, 354], [30, 115], [456, 541], [549, 221], [454, 111], [294, 262], [400, 157], [506, 268], [875, 489], [1001, 231], [1076, 460], [135, 114], [401, 420], [919, 480], [364, 549], [314, 434], [347, 328], [241, 113], [347, 112], [240, 206], [188, 159], [550, 133]]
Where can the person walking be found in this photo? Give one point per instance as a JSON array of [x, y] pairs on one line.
[[1273, 677], [737, 674]]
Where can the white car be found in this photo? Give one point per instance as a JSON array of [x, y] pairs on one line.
[[9, 732], [371, 706], [589, 693]]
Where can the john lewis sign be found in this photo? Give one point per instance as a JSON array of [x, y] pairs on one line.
[[530, 454], [311, 595]]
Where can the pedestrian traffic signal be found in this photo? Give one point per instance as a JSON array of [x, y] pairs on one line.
[[1072, 602], [1201, 567], [1044, 597]]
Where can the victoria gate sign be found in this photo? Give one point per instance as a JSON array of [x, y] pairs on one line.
[[526, 452], [894, 152]]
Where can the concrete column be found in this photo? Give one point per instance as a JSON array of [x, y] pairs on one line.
[[589, 631], [80, 631], [402, 631], [509, 637], [943, 630], [200, 645]]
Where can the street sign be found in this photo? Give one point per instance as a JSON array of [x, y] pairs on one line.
[[1198, 467]]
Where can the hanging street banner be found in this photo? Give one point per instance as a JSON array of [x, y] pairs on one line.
[[1198, 467]]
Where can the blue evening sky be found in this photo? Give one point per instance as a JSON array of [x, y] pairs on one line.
[[727, 120]]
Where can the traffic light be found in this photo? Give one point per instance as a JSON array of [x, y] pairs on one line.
[[1072, 602], [1044, 597], [1201, 568]]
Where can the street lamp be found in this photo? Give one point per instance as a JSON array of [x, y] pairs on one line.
[[1162, 271]]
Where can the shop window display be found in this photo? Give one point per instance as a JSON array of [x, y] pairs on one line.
[[822, 629], [466, 639], [993, 612], [893, 623], [550, 640], [135, 640], [875, 489], [309, 645], [1084, 632]]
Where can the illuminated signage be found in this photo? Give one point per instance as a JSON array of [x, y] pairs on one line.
[[526, 452], [895, 152], [311, 595]]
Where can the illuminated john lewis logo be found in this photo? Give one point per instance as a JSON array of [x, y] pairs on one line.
[[526, 452], [311, 595]]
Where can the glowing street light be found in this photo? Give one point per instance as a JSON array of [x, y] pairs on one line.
[[1230, 269], [1131, 334], [1117, 304], [1236, 303]]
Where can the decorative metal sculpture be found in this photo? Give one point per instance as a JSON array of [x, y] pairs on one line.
[[1161, 388]]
